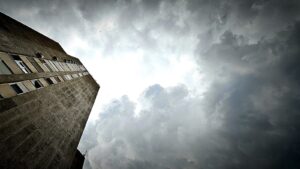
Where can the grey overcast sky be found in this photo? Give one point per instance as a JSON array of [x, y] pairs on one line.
[[185, 84]]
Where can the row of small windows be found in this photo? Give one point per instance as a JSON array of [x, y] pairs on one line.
[[27, 65], [12, 89]]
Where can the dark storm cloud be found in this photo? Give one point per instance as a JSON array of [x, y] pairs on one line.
[[252, 18], [256, 87], [259, 107]]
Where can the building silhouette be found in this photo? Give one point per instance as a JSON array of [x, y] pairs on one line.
[[46, 97]]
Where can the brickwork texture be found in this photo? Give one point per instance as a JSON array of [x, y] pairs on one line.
[[41, 129]]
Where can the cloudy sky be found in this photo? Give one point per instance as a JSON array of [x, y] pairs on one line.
[[185, 84]]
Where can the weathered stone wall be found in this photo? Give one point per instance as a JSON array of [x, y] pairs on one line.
[[41, 129]]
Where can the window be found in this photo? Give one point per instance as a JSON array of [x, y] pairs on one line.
[[16, 88], [47, 64], [40, 62], [21, 64], [77, 67], [67, 77], [52, 67], [19, 88], [70, 66], [58, 65], [4, 69], [37, 84], [35, 64], [49, 81], [57, 79], [60, 79], [74, 75], [82, 68], [66, 68], [23, 87]]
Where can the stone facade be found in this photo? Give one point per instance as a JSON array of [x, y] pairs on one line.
[[40, 127]]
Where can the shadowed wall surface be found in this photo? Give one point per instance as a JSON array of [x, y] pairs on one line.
[[77, 161]]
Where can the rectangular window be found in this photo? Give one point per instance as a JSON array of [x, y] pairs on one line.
[[66, 68], [36, 83], [74, 75], [61, 65], [82, 68], [52, 67], [49, 81], [16, 88], [21, 64], [57, 65], [67, 77], [57, 79], [76, 67], [4, 69], [40, 62], [60, 78], [70, 66], [35, 64], [23, 87], [46, 64]]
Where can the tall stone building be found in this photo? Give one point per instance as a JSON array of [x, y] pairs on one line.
[[46, 97]]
